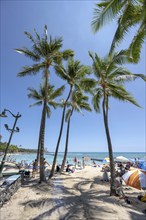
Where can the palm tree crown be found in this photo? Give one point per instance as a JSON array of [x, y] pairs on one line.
[[110, 77], [73, 73], [78, 103], [39, 96], [45, 52]]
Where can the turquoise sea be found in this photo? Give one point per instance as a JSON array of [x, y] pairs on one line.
[[28, 158]]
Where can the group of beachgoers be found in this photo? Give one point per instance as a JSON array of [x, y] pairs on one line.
[[121, 169], [45, 164]]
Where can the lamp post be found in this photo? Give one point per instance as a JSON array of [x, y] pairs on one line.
[[3, 114]]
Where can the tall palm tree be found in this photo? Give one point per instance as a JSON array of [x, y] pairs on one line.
[[73, 73], [39, 96], [78, 102], [45, 53], [129, 14], [109, 83]]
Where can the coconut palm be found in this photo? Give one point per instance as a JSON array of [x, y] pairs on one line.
[[78, 102], [73, 73], [45, 53], [109, 83], [39, 96], [129, 14]]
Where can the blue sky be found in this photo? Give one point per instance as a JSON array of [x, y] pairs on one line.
[[72, 21]]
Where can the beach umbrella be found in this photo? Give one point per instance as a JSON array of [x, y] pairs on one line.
[[121, 159], [106, 160], [135, 178], [142, 165]]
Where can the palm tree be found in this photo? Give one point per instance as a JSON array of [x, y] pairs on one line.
[[39, 96], [109, 83], [45, 53], [78, 102], [129, 14], [73, 73]]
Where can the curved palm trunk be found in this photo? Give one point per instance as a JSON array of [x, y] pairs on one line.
[[112, 167], [66, 144], [44, 113], [60, 134]]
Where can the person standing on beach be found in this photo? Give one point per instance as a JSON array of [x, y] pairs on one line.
[[34, 169]]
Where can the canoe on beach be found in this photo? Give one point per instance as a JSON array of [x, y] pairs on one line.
[[10, 168]]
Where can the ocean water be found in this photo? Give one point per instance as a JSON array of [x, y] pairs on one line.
[[28, 158]]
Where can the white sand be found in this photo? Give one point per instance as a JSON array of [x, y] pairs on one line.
[[80, 195]]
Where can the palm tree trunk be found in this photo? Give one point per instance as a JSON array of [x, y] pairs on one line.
[[60, 134], [66, 144], [39, 142], [112, 167], [42, 171], [44, 113]]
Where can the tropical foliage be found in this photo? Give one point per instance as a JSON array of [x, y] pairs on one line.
[[78, 103], [72, 74], [45, 53], [129, 14], [14, 148], [39, 96], [110, 76]]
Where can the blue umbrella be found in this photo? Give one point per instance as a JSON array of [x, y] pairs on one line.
[[142, 165]]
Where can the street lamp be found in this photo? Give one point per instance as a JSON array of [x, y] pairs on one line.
[[3, 114]]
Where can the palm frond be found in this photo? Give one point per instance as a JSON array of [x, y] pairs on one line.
[[28, 53], [45, 33], [61, 72], [96, 99], [124, 96], [81, 72], [33, 94], [38, 38], [129, 77], [103, 13], [120, 57], [87, 84], [31, 70], [67, 54], [125, 22], [30, 36], [136, 44], [58, 92], [36, 103], [85, 106], [48, 112], [96, 64], [68, 114]]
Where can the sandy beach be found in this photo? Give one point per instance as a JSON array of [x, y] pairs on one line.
[[79, 195]]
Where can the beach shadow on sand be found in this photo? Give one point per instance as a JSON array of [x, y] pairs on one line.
[[83, 200]]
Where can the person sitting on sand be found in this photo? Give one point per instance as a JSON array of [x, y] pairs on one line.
[[57, 168], [105, 175], [94, 164], [118, 185], [68, 169]]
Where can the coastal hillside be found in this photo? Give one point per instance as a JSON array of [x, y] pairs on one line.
[[15, 149]]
